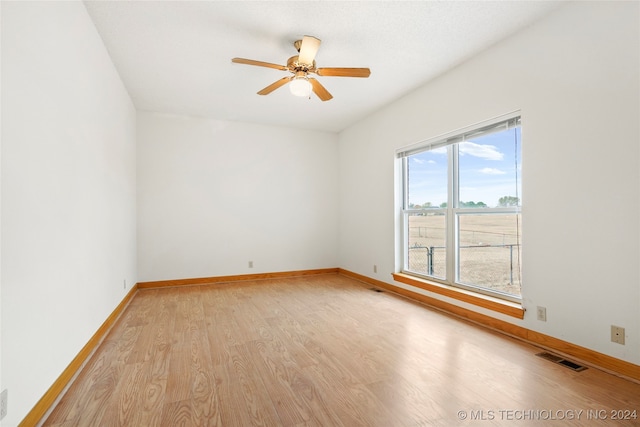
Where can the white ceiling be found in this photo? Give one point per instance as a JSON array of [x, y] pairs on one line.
[[175, 56]]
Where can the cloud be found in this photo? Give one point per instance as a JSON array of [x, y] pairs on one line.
[[418, 161], [492, 171], [487, 152], [432, 162]]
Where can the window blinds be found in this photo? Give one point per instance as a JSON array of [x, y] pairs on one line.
[[465, 134]]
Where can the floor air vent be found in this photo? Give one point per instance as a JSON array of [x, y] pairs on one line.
[[559, 360], [376, 290]]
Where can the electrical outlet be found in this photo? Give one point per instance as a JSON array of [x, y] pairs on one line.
[[250, 264], [375, 268], [3, 403], [617, 334], [541, 313], [125, 283]]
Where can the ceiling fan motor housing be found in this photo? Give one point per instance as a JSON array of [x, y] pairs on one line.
[[294, 65]]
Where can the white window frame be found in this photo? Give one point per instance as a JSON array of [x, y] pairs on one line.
[[453, 212]]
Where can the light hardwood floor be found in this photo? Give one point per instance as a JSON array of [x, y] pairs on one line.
[[323, 351]]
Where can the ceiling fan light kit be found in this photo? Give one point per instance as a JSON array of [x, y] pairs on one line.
[[300, 84]]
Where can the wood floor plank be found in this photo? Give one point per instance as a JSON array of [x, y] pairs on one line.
[[124, 406], [278, 373], [205, 401], [178, 414], [255, 396], [320, 351]]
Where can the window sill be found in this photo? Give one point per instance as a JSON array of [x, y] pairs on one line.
[[484, 301]]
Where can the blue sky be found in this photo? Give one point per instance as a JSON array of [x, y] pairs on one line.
[[487, 170]]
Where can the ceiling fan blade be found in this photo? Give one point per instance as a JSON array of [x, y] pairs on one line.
[[258, 63], [273, 86], [319, 90], [308, 50], [344, 72]]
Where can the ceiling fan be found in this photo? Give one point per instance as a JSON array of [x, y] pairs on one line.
[[301, 66]]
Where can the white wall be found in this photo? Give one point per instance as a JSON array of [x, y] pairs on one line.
[[214, 195], [1, 381], [68, 193], [575, 78]]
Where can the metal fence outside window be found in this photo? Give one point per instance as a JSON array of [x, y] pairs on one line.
[[493, 266]]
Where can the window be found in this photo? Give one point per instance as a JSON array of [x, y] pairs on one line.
[[461, 209]]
